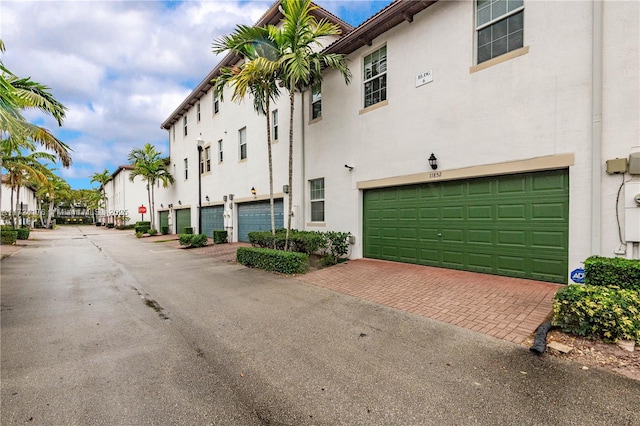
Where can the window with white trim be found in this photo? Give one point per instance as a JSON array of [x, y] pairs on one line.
[[184, 125], [207, 159], [242, 138], [375, 77], [316, 197], [220, 156], [198, 111], [316, 101], [173, 130], [216, 104], [499, 27], [274, 125], [186, 168]]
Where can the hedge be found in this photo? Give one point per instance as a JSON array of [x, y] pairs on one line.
[[193, 240], [612, 271], [307, 242], [598, 312], [273, 260], [142, 227], [220, 237], [8, 236]]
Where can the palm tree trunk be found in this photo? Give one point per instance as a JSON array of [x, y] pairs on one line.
[[12, 210], [149, 197], [152, 207], [290, 207], [49, 214], [273, 221]]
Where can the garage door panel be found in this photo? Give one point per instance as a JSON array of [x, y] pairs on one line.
[[256, 216], [504, 225]]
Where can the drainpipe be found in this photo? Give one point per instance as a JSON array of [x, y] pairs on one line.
[[596, 129], [303, 187]]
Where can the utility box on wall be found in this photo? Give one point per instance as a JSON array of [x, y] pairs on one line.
[[619, 165], [632, 211]]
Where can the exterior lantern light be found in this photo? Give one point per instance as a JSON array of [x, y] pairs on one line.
[[433, 161], [253, 192]]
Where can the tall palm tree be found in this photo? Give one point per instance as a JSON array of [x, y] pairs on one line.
[[302, 62], [55, 191], [257, 75], [152, 168], [102, 179]]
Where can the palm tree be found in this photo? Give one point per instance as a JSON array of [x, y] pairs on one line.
[[302, 62], [102, 179], [55, 191], [152, 168], [257, 75]]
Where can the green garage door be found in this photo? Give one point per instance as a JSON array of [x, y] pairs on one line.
[[183, 220], [164, 219], [513, 225], [212, 218], [257, 217]]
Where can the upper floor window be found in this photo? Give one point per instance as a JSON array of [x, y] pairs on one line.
[[316, 197], [184, 125], [499, 27], [274, 124], [216, 104], [207, 159], [242, 138], [173, 130], [201, 161], [198, 111], [220, 156], [316, 101], [375, 77], [186, 168]]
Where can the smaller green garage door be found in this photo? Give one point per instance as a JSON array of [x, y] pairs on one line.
[[183, 220], [212, 218], [513, 225], [164, 219], [257, 217]]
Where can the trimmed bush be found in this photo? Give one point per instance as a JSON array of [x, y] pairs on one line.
[[219, 237], [193, 240], [273, 260], [98, 223], [111, 225], [598, 312], [164, 229], [142, 226], [153, 232], [612, 272], [23, 233], [8, 236], [123, 227], [299, 241], [188, 230]]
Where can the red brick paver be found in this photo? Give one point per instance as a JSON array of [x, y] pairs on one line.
[[506, 308]]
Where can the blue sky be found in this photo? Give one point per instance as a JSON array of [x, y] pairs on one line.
[[121, 67]]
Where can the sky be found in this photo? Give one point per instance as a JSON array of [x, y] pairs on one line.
[[122, 67]]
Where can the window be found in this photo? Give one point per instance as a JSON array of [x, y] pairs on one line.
[[173, 129], [198, 111], [186, 168], [316, 101], [499, 27], [375, 77], [201, 161], [274, 124], [242, 137], [216, 104], [220, 156], [184, 125], [207, 158], [316, 195]]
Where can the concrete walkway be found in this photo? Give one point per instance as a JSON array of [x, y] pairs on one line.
[[506, 308]]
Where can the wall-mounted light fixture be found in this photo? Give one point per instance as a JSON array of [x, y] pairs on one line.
[[433, 161], [161, 206], [179, 202], [254, 192], [224, 198], [349, 167], [230, 197], [206, 197], [170, 206], [285, 189]]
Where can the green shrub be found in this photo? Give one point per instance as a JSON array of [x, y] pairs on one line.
[[299, 241], [123, 227], [612, 272], [153, 232], [188, 230], [598, 312], [8, 236], [337, 244], [219, 237], [98, 223], [23, 233], [139, 234], [164, 229], [142, 226], [193, 240], [273, 260], [111, 225]]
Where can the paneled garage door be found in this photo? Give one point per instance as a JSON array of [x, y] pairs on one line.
[[212, 218], [513, 225], [183, 220], [257, 217]]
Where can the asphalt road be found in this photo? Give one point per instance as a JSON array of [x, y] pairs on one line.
[[98, 327]]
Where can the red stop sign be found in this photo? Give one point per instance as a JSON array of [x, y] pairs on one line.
[[142, 209]]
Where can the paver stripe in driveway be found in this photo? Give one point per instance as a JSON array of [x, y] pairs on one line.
[[506, 308]]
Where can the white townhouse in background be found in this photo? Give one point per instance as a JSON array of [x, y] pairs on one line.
[[24, 199], [491, 136], [124, 198]]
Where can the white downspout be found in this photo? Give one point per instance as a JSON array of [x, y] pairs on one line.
[[302, 217], [596, 130]]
